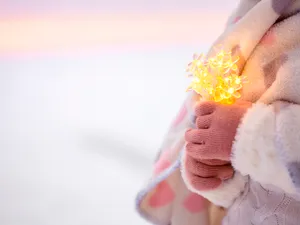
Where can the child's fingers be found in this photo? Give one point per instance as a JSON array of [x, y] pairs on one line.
[[226, 172], [200, 169], [197, 136], [205, 108], [196, 151], [215, 162], [203, 122], [203, 184]]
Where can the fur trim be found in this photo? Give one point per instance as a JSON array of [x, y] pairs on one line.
[[288, 131], [223, 195], [255, 150]]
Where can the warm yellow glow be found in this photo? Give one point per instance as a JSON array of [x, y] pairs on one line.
[[216, 78]]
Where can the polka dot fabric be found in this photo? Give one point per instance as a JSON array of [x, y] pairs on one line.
[[166, 198], [194, 203], [162, 196], [265, 41]]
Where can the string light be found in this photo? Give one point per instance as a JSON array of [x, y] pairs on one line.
[[216, 78]]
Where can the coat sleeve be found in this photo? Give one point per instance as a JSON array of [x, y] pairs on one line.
[[267, 144]]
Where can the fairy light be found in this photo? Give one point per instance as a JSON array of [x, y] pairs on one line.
[[216, 78]]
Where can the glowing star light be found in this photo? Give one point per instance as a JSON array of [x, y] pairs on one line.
[[217, 78]]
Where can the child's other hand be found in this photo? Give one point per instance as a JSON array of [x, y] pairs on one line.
[[209, 146]]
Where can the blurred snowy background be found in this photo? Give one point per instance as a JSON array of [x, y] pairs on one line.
[[87, 91]]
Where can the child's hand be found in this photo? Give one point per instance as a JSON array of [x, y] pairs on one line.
[[206, 174], [209, 146], [217, 125]]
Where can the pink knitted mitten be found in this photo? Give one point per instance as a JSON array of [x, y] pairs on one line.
[[209, 146]]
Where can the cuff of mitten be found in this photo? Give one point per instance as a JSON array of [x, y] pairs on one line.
[[222, 196], [255, 149]]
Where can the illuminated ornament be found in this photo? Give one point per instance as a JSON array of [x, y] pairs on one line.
[[216, 78]]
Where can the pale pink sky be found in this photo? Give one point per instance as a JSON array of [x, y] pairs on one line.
[[36, 6], [38, 26]]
